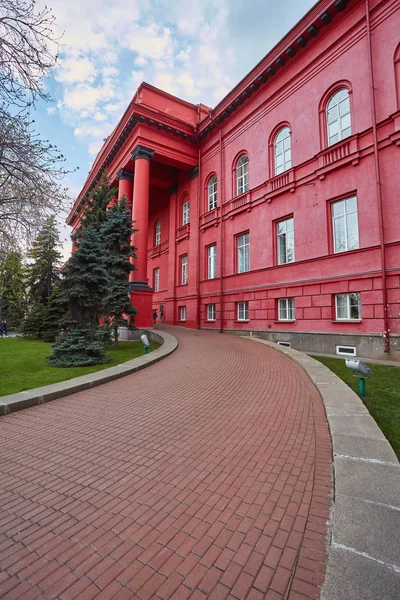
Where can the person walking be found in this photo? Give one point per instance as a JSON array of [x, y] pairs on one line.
[[5, 328], [1, 329], [161, 313], [154, 316]]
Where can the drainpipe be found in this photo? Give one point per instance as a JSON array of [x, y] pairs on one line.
[[221, 194], [198, 239], [377, 179]]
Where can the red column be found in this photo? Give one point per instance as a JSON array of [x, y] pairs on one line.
[[125, 186], [141, 292]]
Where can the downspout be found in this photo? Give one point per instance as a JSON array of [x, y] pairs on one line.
[[378, 180], [221, 186], [198, 239]]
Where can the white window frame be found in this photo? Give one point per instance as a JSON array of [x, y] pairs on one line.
[[242, 175], [348, 306], [158, 233], [157, 279], [212, 199], [283, 148], [243, 252], [182, 313], [243, 311], [345, 217], [212, 261], [286, 310], [184, 269], [186, 213], [287, 234], [211, 312], [346, 350], [339, 102]]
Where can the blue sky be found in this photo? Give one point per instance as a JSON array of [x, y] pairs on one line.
[[196, 50]]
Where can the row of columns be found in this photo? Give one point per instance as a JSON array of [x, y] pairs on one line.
[[135, 187]]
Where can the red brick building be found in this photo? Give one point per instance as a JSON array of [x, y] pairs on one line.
[[278, 210]]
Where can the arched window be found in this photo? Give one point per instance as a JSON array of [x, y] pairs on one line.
[[338, 116], [242, 174], [282, 151], [185, 211], [212, 193], [158, 233]]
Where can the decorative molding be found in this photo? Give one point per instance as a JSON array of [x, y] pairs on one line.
[[124, 174], [142, 152], [193, 173]]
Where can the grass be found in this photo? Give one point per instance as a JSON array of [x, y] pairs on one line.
[[24, 365], [382, 395]]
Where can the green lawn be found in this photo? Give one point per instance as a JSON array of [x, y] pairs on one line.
[[24, 365], [382, 395]]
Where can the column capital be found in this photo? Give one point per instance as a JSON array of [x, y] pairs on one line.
[[142, 152], [173, 189], [193, 173], [124, 174]]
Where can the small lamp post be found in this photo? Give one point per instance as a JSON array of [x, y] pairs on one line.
[[146, 343], [361, 371]]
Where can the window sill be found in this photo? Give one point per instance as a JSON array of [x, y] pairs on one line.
[[241, 321], [211, 320], [346, 320], [285, 321]]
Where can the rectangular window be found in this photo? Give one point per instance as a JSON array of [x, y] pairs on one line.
[[182, 313], [286, 309], [243, 311], [345, 225], [348, 306], [243, 252], [157, 279], [184, 269], [285, 241], [212, 262], [210, 312], [186, 213]]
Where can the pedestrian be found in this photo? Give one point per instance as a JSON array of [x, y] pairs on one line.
[[5, 328], [154, 316], [161, 312], [1, 329]]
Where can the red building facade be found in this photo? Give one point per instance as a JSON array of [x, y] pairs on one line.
[[277, 211]]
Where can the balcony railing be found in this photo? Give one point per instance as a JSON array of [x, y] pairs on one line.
[[182, 232], [157, 250]]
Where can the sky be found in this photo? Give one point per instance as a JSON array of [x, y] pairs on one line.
[[195, 50]]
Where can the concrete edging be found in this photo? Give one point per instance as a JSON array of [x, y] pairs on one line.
[[47, 393], [363, 545]]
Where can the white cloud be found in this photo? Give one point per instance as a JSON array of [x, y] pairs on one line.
[[86, 96], [51, 110], [110, 72], [140, 61], [75, 68]]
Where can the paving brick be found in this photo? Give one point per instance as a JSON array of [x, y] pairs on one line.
[[150, 497]]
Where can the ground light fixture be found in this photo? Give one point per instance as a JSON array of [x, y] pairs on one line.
[[146, 343], [361, 371]]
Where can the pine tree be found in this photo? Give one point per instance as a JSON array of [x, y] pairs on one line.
[[12, 288], [43, 271], [116, 232], [55, 312], [82, 291], [42, 275]]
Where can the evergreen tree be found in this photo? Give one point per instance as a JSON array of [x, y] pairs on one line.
[[83, 289], [55, 312], [41, 276], [116, 232], [43, 271], [12, 288]]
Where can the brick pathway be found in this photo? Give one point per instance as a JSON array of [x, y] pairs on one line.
[[207, 475]]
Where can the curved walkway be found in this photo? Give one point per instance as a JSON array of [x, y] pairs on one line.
[[207, 475]]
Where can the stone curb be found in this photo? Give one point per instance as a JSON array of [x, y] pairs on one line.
[[364, 549], [47, 393]]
